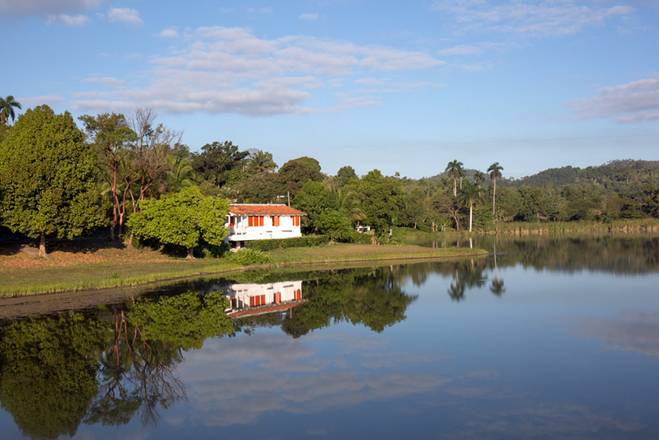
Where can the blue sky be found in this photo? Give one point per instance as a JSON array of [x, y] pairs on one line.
[[399, 86]]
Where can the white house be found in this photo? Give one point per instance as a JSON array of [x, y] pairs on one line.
[[262, 222], [258, 299]]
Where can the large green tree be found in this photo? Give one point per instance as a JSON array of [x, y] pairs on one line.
[[49, 178], [217, 160], [297, 172], [182, 219]]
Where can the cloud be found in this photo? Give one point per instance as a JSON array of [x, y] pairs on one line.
[[104, 80], [68, 20], [309, 16], [636, 101], [170, 32], [270, 372], [46, 7], [32, 101], [637, 332], [124, 15], [535, 18], [230, 69], [260, 10], [470, 49]]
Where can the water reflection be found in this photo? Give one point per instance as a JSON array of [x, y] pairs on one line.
[[226, 353]]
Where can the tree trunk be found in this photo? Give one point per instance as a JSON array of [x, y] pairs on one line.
[[42, 245], [471, 215], [494, 197], [190, 254], [455, 188]]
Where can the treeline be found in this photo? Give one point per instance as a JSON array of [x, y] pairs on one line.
[[63, 178]]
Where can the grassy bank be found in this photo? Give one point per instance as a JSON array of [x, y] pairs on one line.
[[550, 229], [23, 273]]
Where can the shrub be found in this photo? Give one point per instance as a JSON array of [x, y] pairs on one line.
[[246, 257], [358, 238], [304, 241]]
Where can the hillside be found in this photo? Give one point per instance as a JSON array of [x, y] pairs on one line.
[[617, 171]]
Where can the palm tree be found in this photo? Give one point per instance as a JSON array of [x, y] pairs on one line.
[[7, 106], [495, 173], [472, 194], [455, 171]]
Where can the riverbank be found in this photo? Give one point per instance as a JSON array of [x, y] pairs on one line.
[[23, 273], [648, 227]]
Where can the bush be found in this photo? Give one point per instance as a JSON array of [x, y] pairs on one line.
[[246, 257], [358, 238], [304, 241]]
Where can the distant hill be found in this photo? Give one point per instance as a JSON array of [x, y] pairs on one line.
[[620, 171]]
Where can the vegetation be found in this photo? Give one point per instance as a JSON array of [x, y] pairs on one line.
[[47, 179], [132, 174], [182, 219]]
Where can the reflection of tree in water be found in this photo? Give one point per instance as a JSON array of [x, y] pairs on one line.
[[373, 298], [466, 275], [48, 372], [99, 367]]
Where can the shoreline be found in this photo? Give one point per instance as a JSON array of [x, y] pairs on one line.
[[332, 256]]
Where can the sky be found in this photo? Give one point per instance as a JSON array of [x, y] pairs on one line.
[[401, 86]]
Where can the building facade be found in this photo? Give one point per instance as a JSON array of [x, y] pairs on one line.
[[257, 299], [262, 222]]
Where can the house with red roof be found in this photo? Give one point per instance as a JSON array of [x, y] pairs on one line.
[[251, 221]]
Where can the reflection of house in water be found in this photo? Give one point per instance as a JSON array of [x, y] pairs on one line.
[[260, 299]]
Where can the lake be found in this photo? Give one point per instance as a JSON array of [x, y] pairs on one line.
[[544, 339]]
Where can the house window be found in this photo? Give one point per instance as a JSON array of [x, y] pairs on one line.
[[275, 220], [232, 221], [277, 297], [258, 300], [297, 295], [296, 220], [255, 220]]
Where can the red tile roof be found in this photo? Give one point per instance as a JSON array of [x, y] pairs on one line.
[[263, 209]]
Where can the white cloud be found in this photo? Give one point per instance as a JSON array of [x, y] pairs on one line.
[[170, 32], [471, 49], [124, 15], [309, 16], [31, 101], [222, 69], [636, 101], [46, 7], [103, 80], [68, 20], [529, 18]]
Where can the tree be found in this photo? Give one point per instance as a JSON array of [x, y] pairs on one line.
[[346, 174], [335, 224], [7, 109], [455, 171], [111, 138], [297, 172], [494, 171], [48, 175], [314, 199], [216, 160], [182, 219], [382, 200], [472, 194], [150, 156]]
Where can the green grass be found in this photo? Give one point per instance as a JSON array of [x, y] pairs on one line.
[[69, 271]]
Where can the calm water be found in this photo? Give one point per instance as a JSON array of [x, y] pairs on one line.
[[554, 339]]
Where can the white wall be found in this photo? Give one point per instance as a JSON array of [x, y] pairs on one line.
[[243, 232], [242, 292]]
